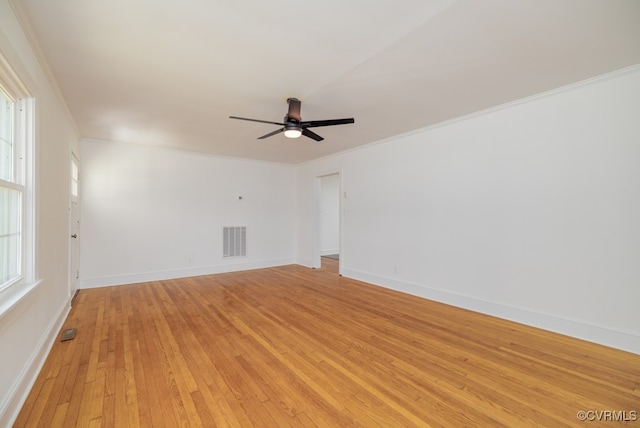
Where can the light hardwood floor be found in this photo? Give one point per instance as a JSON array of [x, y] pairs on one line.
[[292, 346]]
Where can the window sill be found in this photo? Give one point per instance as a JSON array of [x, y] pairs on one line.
[[12, 296]]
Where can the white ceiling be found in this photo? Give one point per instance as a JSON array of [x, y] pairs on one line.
[[170, 73]]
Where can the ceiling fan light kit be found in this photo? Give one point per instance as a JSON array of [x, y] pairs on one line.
[[293, 126], [292, 131]]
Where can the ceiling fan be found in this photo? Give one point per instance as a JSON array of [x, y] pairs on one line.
[[293, 125]]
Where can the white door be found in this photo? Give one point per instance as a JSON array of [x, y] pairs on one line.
[[74, 228]]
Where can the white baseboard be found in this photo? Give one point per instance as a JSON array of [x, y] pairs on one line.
[[108, 281], [623, 340], [20, 390]]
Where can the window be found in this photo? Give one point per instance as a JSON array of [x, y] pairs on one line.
[[74, 177], [15, 209]]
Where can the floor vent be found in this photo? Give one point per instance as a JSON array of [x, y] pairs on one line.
[[234, 241], [68, 334]]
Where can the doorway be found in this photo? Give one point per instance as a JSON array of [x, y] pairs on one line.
[[327, 251]]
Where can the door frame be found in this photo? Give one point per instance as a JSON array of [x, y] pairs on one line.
[[316, 256]]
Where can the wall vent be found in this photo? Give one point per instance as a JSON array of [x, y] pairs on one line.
[[234, 241]]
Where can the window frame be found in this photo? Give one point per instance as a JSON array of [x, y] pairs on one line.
[[23, 180]]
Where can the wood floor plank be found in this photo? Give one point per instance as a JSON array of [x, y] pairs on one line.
[[291, 346]]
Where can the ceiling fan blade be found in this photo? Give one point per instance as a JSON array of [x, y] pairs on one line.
[[330, 122], [294, 109], [271, 134], [256, 120], [311, 134]]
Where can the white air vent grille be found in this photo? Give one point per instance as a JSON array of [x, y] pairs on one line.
[[234, 241]]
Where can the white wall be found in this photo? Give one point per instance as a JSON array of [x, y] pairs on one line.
[[330, 214], [29, 325], [150, 214], [530, 212]]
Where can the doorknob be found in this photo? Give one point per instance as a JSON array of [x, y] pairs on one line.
[[74, 235]]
